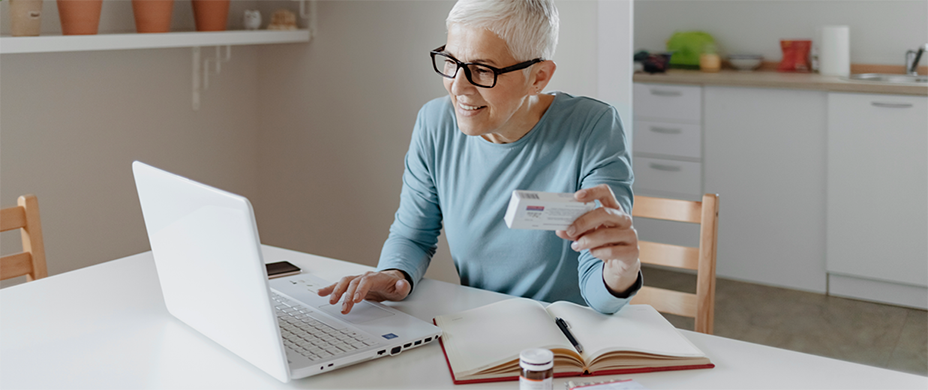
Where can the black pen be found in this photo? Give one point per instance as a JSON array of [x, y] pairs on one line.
[[563, 325]]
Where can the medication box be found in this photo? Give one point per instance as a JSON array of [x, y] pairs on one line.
[[544, 210]]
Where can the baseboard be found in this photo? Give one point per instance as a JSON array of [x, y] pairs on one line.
[[878, 291]]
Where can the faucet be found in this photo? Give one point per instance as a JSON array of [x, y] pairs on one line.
[[911, 60]]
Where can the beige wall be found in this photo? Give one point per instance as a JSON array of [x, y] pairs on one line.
[[314, 133], [335, 119], [337, 114], [72, 123], [116, 16]]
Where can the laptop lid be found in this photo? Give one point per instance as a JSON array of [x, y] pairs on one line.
[[208, 257]]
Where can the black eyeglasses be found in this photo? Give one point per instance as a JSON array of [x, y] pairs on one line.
[[480, 75]]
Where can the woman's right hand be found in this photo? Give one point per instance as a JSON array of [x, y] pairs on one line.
[[388, 285]]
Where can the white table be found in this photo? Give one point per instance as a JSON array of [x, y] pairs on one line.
[[105, 326]]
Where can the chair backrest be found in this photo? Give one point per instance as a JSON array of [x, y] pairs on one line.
[[31, 261], [701, 305]]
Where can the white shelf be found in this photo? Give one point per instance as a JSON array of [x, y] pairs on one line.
[[60, 43]]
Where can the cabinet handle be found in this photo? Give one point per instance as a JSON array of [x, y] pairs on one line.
[[891, 105], [661, 92], [665, 168], [665, 130]]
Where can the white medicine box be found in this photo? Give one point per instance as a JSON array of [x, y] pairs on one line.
[[544, 210]]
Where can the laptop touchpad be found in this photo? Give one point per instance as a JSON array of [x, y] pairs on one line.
[[361, 312]]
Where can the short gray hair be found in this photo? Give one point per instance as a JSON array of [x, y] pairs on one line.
[[529, 27]]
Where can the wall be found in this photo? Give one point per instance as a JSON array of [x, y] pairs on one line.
[[337, 114], [117, 17], [881, 30], [335, 121], [72, 123], [314, 134]]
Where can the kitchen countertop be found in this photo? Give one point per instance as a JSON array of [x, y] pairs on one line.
[[768, 79]]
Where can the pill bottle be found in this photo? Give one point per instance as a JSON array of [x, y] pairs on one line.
[[537, 369]]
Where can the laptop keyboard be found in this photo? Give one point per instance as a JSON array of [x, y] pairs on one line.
[[306, 334]]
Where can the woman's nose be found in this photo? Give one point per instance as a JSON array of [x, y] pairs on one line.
[[460, 85]]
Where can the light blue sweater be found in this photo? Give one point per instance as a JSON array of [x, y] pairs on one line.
[[466, 182]]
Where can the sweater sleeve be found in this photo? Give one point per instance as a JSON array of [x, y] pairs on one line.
[[606, 160], [414, 233]]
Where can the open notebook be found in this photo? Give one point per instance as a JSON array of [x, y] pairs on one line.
[[483, 344]]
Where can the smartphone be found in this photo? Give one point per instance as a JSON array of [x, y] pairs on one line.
[[281, 269]]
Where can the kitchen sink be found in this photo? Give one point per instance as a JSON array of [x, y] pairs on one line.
[[890, 78]]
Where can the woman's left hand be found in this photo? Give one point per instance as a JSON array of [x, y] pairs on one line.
[[608, 233]]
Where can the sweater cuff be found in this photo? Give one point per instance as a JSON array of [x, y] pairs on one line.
[[602, 300], [628, 294]]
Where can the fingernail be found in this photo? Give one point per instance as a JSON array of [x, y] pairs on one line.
[[574, 245], [571, 230], [580, 193], [357, 297]]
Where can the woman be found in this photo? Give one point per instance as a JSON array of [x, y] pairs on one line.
[[495, 133]]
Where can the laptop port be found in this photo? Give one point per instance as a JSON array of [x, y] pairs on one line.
[[407, 345], [417, 342], [427, 339], [330, 364], [381, 352], [395, 350]]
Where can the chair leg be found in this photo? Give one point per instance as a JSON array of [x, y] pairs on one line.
[[705, 284]]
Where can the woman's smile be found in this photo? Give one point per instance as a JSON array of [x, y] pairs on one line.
[[469, 110]]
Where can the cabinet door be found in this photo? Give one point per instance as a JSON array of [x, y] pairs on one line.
[[878, 187], [668, 178], [670, 140], [668, 102], [764, 154]]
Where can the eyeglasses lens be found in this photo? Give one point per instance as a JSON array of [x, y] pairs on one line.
[[479, 75]]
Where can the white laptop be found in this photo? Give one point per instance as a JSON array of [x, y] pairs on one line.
[[208, 256]]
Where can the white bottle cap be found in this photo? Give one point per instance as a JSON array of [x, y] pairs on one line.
[[536, 359]]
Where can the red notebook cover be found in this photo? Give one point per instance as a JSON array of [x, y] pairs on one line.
[[566, 374]]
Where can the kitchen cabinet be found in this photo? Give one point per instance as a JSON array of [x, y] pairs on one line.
[[819, 191], [764, 154], [762, 151], [667, 154], [667, 141], [877, 202]]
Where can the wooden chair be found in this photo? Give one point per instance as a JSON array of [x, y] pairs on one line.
[[701, 305], [31, 261]]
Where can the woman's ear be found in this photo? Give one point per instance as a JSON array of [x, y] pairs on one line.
[[542, 73]]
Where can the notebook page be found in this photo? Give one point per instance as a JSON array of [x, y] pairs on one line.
[[490, 335], [637, 328]]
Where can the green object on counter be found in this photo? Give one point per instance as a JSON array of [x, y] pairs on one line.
[[687, 47]]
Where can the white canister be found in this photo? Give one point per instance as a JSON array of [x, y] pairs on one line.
[[835, 51]]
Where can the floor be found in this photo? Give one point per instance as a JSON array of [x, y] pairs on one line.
[[863, 332]]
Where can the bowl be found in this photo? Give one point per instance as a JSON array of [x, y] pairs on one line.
[[657, 62], [745, 62]]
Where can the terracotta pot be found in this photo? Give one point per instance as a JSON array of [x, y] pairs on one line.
[[211, 15], [152, 16], [79, 17], [25, 18]]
